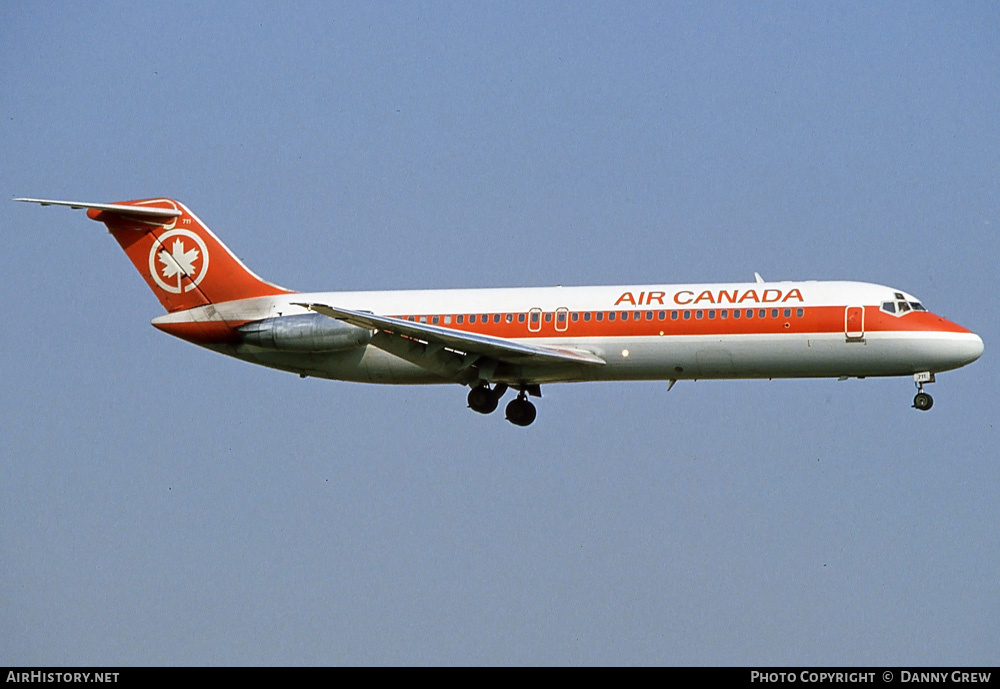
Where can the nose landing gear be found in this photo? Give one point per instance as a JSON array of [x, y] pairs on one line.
[[922, 401]]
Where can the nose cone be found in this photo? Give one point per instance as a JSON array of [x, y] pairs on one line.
[[949, 346], [958, 349], [956, 346], [972, 349]]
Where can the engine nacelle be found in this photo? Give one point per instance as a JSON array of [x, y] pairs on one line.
[[308, 332]]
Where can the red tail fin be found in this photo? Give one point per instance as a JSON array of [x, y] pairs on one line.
[[182, 261]]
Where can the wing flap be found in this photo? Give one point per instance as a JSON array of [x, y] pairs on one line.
[[468, 343]]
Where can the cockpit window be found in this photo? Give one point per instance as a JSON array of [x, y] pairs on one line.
[[901, 306]]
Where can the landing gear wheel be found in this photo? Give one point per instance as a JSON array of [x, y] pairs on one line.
[[923, 401], [520, 412], [483, 400]]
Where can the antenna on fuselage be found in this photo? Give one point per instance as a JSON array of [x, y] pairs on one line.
[[758, 278]]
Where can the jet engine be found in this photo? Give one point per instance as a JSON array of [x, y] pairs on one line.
[[310, 332]]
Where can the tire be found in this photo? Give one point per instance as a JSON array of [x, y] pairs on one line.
[[481, 399], [521, 412]]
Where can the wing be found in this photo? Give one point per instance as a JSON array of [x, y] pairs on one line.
[[470, 344]]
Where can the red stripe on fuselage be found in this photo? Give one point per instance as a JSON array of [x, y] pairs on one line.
[[814, 319]]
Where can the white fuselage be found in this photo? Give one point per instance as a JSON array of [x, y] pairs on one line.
[[661, 332]]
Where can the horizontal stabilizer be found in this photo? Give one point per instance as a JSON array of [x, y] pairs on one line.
[[138, 211]]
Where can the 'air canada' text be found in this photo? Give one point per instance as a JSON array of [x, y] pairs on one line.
[[719, 296]]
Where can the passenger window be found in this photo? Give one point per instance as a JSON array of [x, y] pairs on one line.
[[736, 313], [687, 315], [699, 314], [472, 318], [447, 320], [711, 314], [774, 313], [600, 315], [509, 318], [460, 319], [788, 313], [762, 313], [611, 315], [520, 318], [649, 316], [800, 312], [624, 315], [749, 313], [548, 318], [586, 316], [434, 320], [723, 314], [673, 315], [662, 315]]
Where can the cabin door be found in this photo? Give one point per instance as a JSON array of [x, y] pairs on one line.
[[854, 323]]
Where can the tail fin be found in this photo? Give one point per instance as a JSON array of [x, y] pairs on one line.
[[180, 259]]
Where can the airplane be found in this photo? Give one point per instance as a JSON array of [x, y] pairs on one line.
[[495, 340]]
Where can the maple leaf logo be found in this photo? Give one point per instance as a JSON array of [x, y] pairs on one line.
[[178, 263], [170, 261]]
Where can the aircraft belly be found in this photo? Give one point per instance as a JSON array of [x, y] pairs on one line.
[[815, 355], [383, 367]]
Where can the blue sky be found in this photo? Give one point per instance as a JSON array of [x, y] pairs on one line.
[[162, 504]]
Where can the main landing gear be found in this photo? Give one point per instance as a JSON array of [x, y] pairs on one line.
[[484, 399], [923, 401], [520, 412]]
